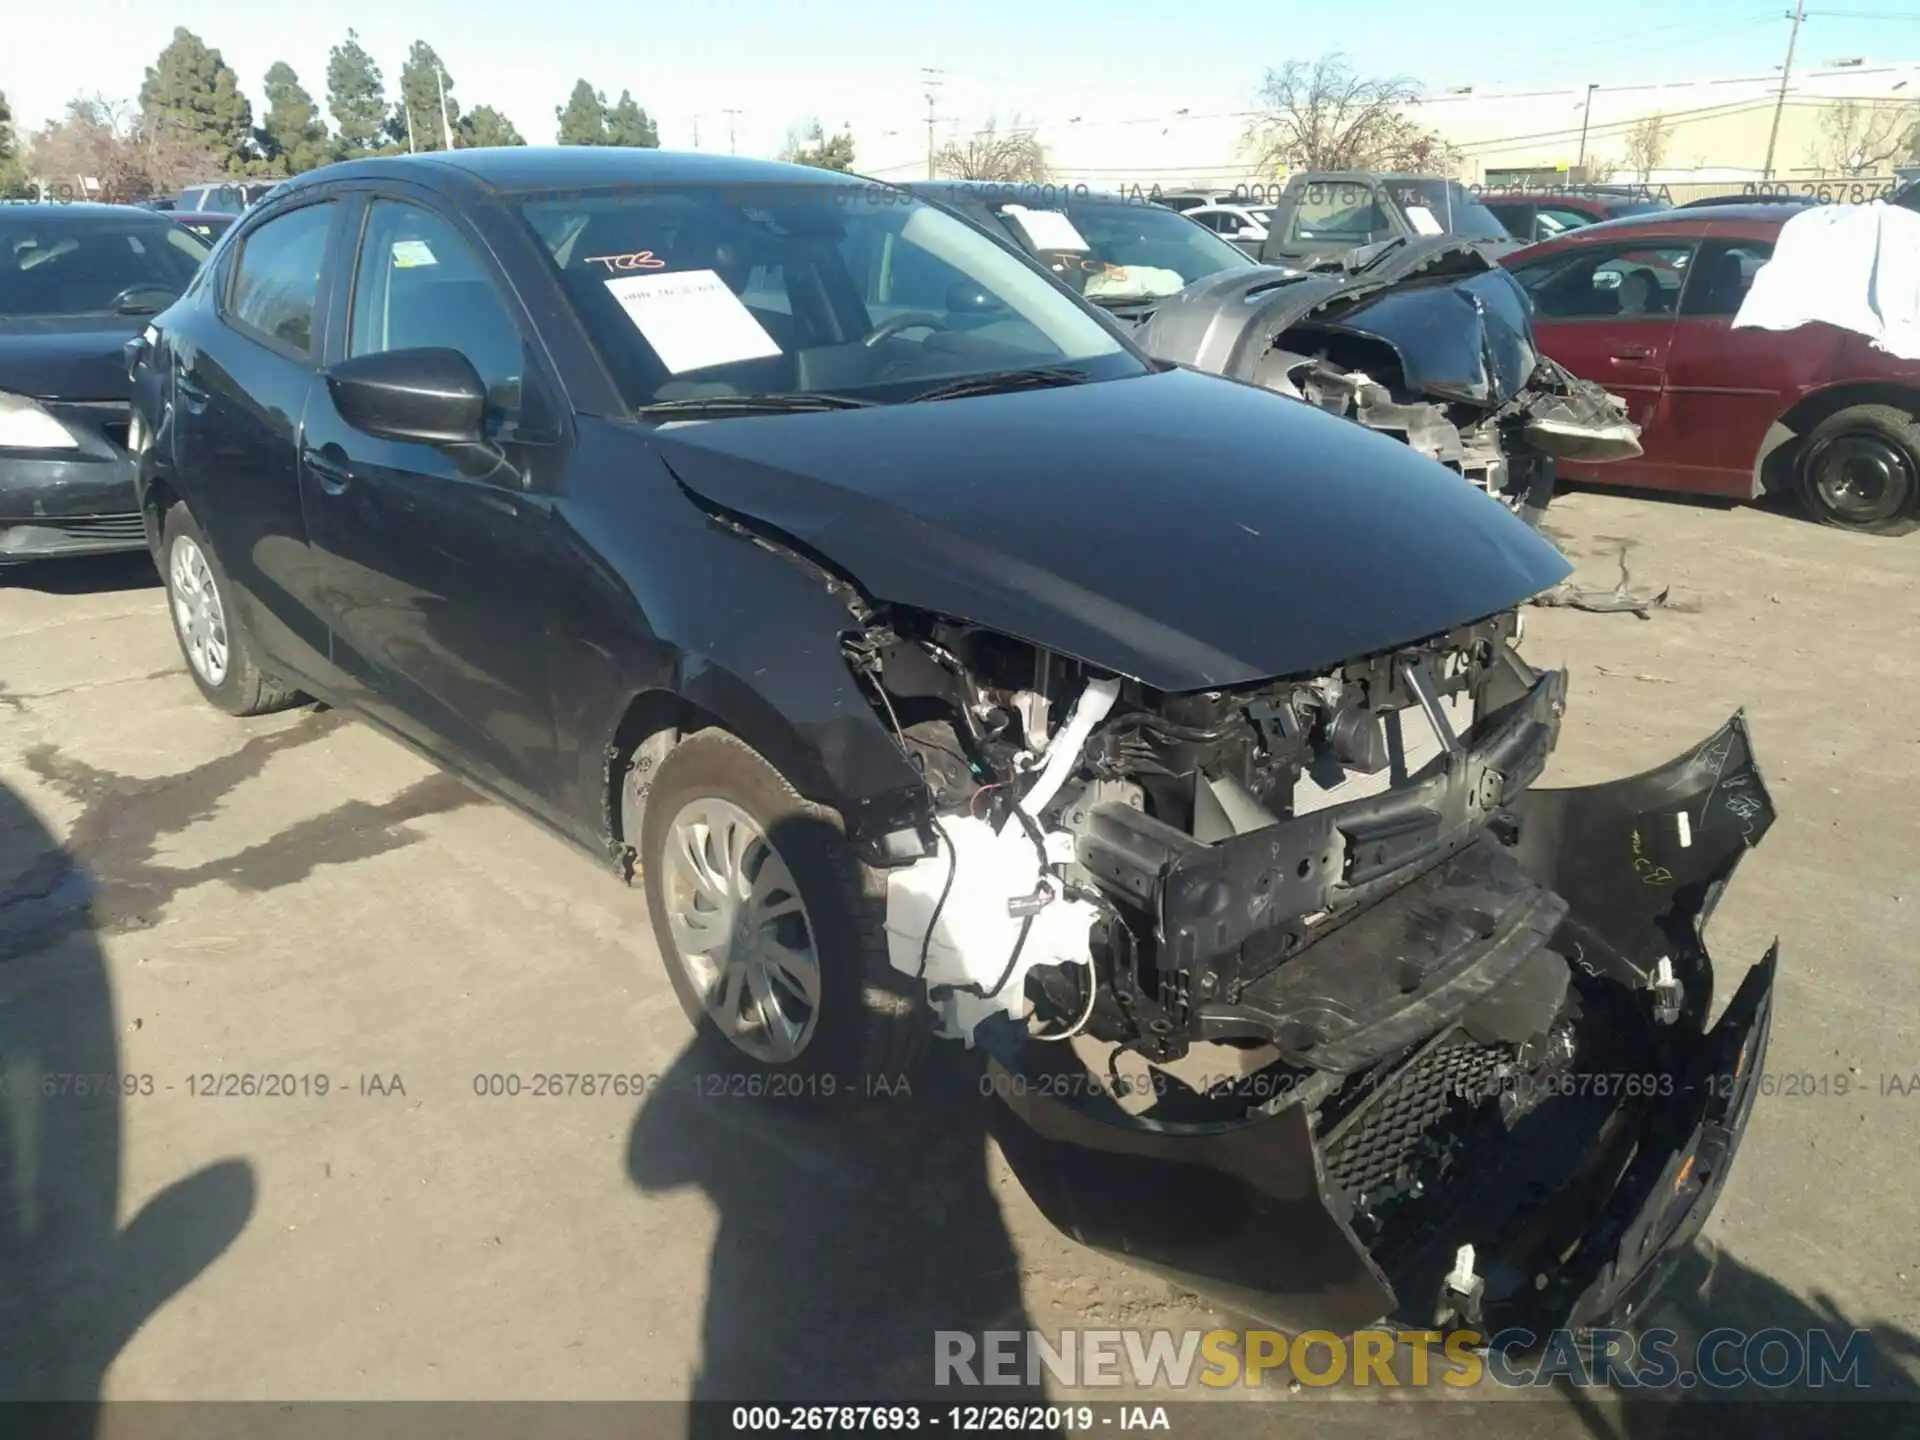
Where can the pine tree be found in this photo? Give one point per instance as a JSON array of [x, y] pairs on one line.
[[809, 144], [583, 119], [356, 97], [628, 124], [292, 133], [483, 125], [192, 96], [422, 79]]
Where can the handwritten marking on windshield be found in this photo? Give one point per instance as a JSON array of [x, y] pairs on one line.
[[638, 260]]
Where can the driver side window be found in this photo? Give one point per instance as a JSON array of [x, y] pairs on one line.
[[420, 285]]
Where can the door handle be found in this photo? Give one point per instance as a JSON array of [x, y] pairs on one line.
[[191, 394], [1633, 352], [333, 475]]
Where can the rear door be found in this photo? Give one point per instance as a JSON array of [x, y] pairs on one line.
[[436, 558], [1606, 310], [1726, 387], [243, 371]]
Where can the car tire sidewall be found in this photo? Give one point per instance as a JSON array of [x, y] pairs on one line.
[[229, 694], [1885, 425], [713, 764]]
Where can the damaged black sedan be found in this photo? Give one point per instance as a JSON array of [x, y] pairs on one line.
[[941, 665]]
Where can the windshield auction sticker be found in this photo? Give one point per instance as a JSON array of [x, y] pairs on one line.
[[1046, 229], [692, 320]]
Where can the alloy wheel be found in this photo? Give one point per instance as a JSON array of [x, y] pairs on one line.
[[741, 932], [197, 610]]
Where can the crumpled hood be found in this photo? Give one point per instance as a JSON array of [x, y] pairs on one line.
[[1183, 530], [1469, 340], [66, 357]]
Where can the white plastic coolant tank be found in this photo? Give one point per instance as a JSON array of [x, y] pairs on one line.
[[974, 935]]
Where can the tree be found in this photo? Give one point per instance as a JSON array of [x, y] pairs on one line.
[[583, 119], [106, 150], [1323, 115], [417, 121], [809, 144], [11, 175], [483, 125], [356, 97], [628, 124], [993, 154], [1646, 145], [1865, 137], [191, 95], [292, 135]]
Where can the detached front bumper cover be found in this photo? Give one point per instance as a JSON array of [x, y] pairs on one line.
[[1579, 1177]]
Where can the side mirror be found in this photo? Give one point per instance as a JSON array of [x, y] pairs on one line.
[[964, 296], [433, 396]]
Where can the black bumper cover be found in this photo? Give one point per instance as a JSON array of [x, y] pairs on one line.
[[1577, 1211], [71, 502]]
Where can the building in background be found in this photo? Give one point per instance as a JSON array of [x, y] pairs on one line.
[[1702, 135]]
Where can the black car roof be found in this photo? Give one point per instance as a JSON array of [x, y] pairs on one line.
[[556, 167]]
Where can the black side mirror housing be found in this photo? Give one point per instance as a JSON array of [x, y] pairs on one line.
[[432, 396], [964, 296]]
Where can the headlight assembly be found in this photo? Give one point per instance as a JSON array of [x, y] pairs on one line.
[[25, 425]]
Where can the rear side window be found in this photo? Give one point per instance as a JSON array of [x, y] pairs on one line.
[[1723, 275], [276, 280]]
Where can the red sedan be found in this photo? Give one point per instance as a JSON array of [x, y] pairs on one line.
[[1645, 306]]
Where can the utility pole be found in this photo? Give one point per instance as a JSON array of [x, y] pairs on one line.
[[1585, 115], [696, 132], [732, 148], [409, 109], [930, 77], [1786, 73], [446, 126]]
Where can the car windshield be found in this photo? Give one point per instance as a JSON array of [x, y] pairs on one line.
[[846, 291], [1117, 251], [57, 263], [1444, 207]]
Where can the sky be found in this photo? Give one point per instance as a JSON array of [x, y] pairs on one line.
[[859, 62]]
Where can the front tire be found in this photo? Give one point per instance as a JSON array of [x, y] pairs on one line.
[[772, 931], [1860, 470], [214, 640]]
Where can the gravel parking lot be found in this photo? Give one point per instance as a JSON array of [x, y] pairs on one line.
[[185, 897]]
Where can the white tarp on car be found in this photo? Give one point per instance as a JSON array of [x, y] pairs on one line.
[[1852, 266]]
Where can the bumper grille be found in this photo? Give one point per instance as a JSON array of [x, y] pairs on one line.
[[99, 527], [1373, 1149]]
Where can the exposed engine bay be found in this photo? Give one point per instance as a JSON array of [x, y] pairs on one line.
[[1429, 341], [1468, 1019]]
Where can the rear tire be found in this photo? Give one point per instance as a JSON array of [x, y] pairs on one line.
[[1859, 470], [753, 889], [214, 640]]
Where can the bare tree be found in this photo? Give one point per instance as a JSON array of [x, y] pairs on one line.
[[104, 150], [1864, 137], [1646, 145], [995, 154], [1324, 115]]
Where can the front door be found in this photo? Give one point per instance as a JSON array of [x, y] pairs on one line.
[[437, 555], [1606, 312]]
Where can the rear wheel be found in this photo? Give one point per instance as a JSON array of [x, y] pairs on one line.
[[1860, 470], [773, 932], [219, 651]]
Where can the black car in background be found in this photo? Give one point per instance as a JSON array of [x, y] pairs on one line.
[[936, 661], [1531, 215], [1124, 254], [76, 283]]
